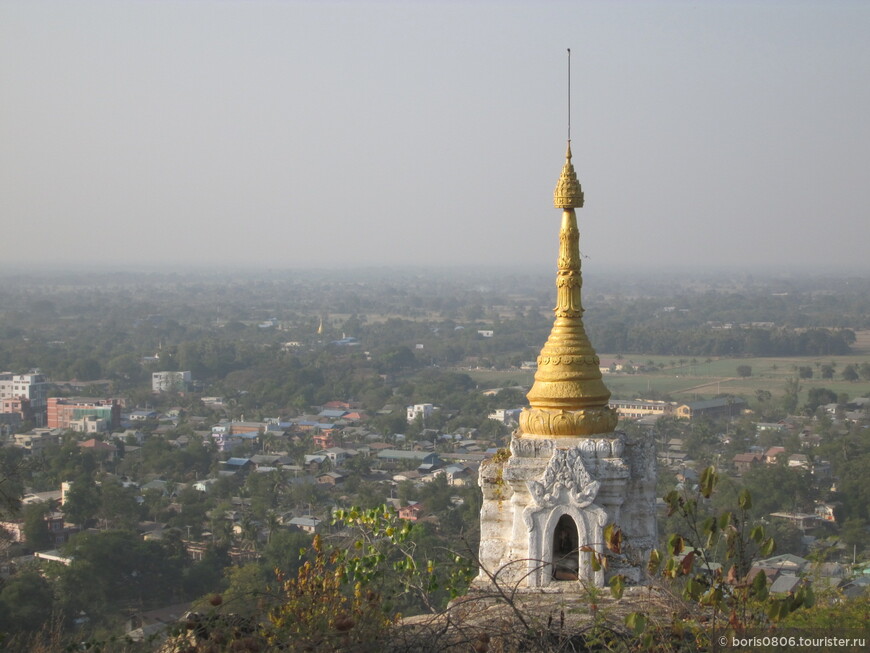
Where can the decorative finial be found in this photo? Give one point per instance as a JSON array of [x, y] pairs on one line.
[[568, 193]]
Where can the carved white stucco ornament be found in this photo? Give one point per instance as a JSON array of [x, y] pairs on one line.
[[566, 472]]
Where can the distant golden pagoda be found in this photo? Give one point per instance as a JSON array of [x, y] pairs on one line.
[[568, 397]]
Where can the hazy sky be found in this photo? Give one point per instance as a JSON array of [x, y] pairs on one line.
[[325, 134]]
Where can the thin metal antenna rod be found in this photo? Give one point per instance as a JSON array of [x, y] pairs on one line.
[[569, 95]]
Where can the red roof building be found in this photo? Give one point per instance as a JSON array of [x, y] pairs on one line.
[[411, 512], [98, 446]]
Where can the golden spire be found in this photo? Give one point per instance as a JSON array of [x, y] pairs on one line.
[[568, 397]]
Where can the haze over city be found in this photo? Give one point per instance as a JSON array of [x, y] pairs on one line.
[[341, 134]]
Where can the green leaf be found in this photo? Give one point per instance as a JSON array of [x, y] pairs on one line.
[[809, 596], [595, 561], [672, 498], [713, 596], [759, 586], [693, 589], [636, 621], [768, 547], [675, 544], [617, 586], [724, 520], [731, 540], [710, 527], [670, 570], [756, 534], [655, 561], [613, 538], [711, 536], [744, 500], [778, 609], [708, 481]]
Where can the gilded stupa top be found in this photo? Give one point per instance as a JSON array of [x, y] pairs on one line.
[[568, 194], [569, 397]]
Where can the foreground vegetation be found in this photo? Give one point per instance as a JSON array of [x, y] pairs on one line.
[[343, 596]]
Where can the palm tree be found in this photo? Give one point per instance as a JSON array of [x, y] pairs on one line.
[[222, 531], [272, 524], [250, 532], [269, 442], [277, 484]]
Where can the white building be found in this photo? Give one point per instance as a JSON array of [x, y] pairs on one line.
[[34, 442], [425, 410], [505, 415], [32, 387], [307, 524], [638, 408], [89, 424], [170, 381]]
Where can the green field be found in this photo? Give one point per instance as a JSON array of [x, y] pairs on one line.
[[706, 380], [685, 380]]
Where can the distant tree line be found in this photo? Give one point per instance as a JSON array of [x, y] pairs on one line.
[[104, 327], [706, 341]]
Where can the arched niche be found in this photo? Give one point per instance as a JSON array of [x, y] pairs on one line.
[[548, 524], [566, 550]]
